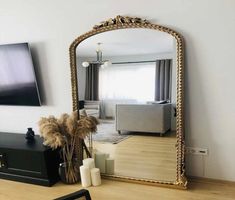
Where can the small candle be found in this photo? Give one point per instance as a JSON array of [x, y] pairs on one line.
[[85, 176], [89, 162], [95, 177], [109, 166], [100, 161]]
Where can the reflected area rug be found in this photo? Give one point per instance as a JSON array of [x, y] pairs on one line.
[[106, 133]]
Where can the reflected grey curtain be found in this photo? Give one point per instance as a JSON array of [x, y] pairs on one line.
[[92, 82], [163, 80]]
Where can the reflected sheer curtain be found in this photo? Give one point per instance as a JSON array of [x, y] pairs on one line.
[[92, 82], [127, 82], [163, 80]]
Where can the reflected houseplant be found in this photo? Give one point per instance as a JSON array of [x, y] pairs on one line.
[[63, 133]]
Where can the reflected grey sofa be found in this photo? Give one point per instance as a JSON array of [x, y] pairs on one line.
[[152, 118]]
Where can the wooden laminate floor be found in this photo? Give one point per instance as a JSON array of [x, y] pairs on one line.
[[114, 190]]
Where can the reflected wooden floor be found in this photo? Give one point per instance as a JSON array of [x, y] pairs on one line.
[[141, 156]]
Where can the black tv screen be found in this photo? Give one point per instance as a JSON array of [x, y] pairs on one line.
[[18, 85]]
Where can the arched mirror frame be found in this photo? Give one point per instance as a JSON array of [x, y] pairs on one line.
[[121, 22]]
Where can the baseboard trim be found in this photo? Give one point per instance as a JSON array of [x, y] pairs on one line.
[[210, 180]]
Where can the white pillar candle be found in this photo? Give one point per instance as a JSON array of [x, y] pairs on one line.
[[100, 161], [89, 162], [109, 166], [95, 177], [85, 176]]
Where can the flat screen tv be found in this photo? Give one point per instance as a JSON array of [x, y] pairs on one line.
[[18, 85]]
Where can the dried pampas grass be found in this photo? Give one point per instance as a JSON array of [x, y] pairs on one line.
[[87, 125], [64, 131], [50, 131], [57, 132]]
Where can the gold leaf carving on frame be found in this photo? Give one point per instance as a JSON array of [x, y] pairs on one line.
[[121, 20]]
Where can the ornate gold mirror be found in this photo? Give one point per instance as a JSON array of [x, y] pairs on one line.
[[128, 73]]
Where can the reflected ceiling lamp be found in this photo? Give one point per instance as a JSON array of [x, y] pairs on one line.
[[102, 63]]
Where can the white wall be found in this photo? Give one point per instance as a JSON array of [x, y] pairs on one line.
[[208, 28]]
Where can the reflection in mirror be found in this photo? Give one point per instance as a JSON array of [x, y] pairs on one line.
[[127, 79]]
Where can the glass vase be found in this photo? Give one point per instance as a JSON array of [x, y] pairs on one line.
[[69, 172]]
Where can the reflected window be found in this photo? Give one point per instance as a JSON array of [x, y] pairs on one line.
[[134, 82]]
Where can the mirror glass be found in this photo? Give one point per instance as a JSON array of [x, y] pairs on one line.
[[127, 79]]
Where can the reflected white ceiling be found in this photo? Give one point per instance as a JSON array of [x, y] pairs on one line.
[[127, 42]]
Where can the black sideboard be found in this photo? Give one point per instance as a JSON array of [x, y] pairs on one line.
[[29, 162]]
